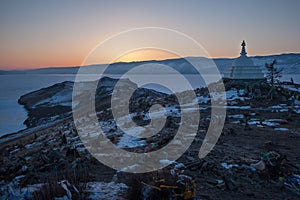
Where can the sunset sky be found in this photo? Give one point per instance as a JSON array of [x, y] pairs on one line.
[[36, 34]]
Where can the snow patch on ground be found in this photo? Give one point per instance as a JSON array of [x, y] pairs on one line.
[[269, 123], [203, 99], [128, 141], [291, 88], [60, 98], [235, 94], [166, 162], [238, 107], [130, 168], [240, 116], [102, 190], [254, 122], [14, 191], [281, 129]]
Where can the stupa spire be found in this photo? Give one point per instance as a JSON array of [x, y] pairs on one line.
[[243, 52]]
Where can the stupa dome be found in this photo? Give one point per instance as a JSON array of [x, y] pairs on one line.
[[243, 68], [242, 61]]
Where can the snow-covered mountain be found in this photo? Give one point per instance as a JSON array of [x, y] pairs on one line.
[[289, 62]]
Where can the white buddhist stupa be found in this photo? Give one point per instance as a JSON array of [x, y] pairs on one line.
[[243, 68]]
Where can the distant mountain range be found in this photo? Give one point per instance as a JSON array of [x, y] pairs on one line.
[[290, 63]]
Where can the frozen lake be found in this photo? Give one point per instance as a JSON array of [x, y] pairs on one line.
[[13, 115]]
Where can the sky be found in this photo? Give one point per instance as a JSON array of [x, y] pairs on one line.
[[37, 34]]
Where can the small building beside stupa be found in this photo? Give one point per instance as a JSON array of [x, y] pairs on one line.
[[243, 68]]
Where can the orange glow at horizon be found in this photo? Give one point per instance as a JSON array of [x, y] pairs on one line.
[[74, 55], [146, 54], [68, 53]]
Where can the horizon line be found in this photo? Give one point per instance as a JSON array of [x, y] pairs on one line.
[[135, 61]]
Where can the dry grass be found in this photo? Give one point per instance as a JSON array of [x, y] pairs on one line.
[[53, 188]]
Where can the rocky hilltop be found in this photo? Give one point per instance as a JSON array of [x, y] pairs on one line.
[[51, 102], [55, 102], [256, 157]]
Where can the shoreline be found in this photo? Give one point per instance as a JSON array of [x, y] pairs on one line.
[[28, 132]]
